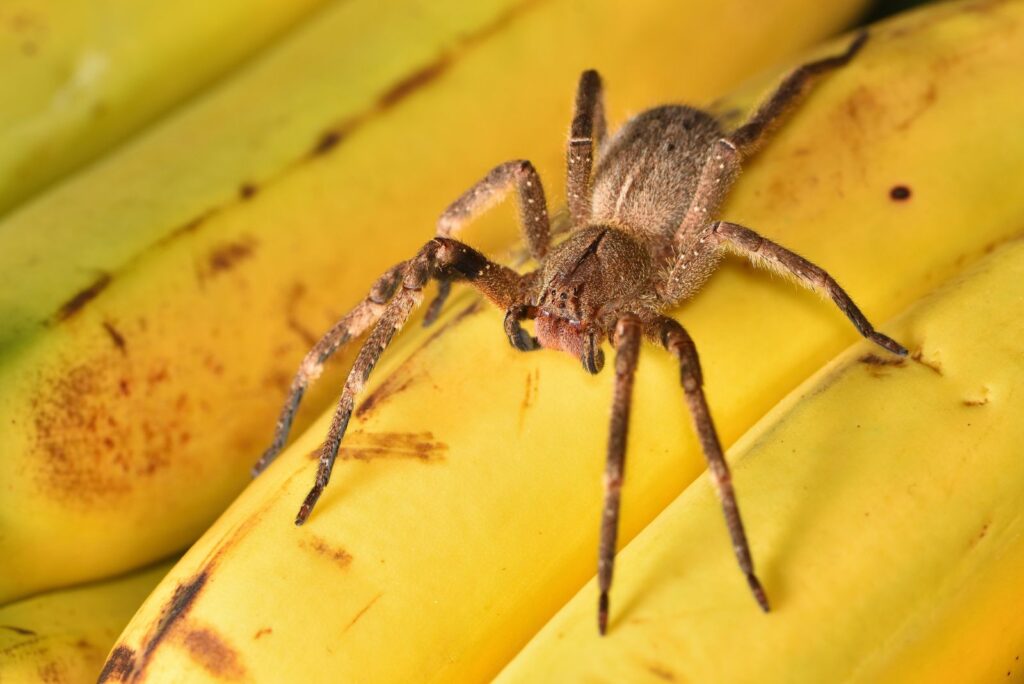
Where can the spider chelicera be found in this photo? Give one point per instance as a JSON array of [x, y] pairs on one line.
[[643, 239]]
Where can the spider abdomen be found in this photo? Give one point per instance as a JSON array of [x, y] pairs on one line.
[[647, 173]]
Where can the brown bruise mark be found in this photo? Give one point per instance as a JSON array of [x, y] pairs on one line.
[[226, 256], [213, 653], [975, 402], [416, 80], [982, 532], [90, 452], [83, 297], [52, 672], [361, 613], [171, 614], [18, 630], [899, 193], [875, 360], [246, 191], [918, 356], [340, 556], [115, 336], [878, 366], [369, 446], [529, 395], [295, 295], [422, 77], [391, 385], [118, 666], [661, 672], [327, 141], [402, 377], [924, 103], [262, 632]]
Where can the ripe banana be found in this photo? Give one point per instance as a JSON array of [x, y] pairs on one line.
[[156, 307], [78, 77], [885, 498], [64, 636], [463, 511]]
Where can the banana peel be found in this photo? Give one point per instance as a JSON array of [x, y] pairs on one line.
[[464, 509], [884, 498], [155, 308], [80, 77], [65, 635]]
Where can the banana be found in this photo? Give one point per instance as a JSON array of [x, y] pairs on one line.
[[79, 77], [886, 499], [155, 308], [64, 636], [464, 508]]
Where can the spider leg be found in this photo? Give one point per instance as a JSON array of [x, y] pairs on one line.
[[485, 193], [627, 352], [353, 324], [749, 137], [679, 343], [722, 164], [585, 137], [441, 257], [764, 252]]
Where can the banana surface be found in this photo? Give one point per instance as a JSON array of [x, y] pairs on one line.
[[886, 497], [79, 77], [64, 636], [155, 308], [464, 509]]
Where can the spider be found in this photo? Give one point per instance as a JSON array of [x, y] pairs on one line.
[[643, 239]]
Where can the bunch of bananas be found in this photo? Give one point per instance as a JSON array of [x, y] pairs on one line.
[[155, 306]]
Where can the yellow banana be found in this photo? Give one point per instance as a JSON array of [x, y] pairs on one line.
[[78, 77], [464, 508], [64, 636], [155, 308], [885, 496]]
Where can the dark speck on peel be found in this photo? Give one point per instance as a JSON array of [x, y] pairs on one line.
[[899, 193]]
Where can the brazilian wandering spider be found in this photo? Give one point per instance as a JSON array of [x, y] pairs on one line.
[[643, 239]]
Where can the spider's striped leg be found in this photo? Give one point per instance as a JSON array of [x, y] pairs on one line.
[[679, 343], [441, 257], [627, 351], [353, 324]]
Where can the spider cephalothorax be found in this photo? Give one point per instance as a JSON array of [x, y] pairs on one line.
[[643, 239]]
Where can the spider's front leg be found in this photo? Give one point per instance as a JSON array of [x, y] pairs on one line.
[[585, 137], [353, 324], [485, 193], [440, 258]]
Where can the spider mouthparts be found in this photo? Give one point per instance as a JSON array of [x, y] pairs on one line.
[[602, 613]]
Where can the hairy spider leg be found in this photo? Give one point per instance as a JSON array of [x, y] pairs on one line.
[[722, 165], [678, 342], [353, 324], [586, 134], [441, 257], [627, 352], [763, 252], [484, 194]]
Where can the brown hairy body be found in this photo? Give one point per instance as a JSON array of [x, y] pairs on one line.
[[643, 239]]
